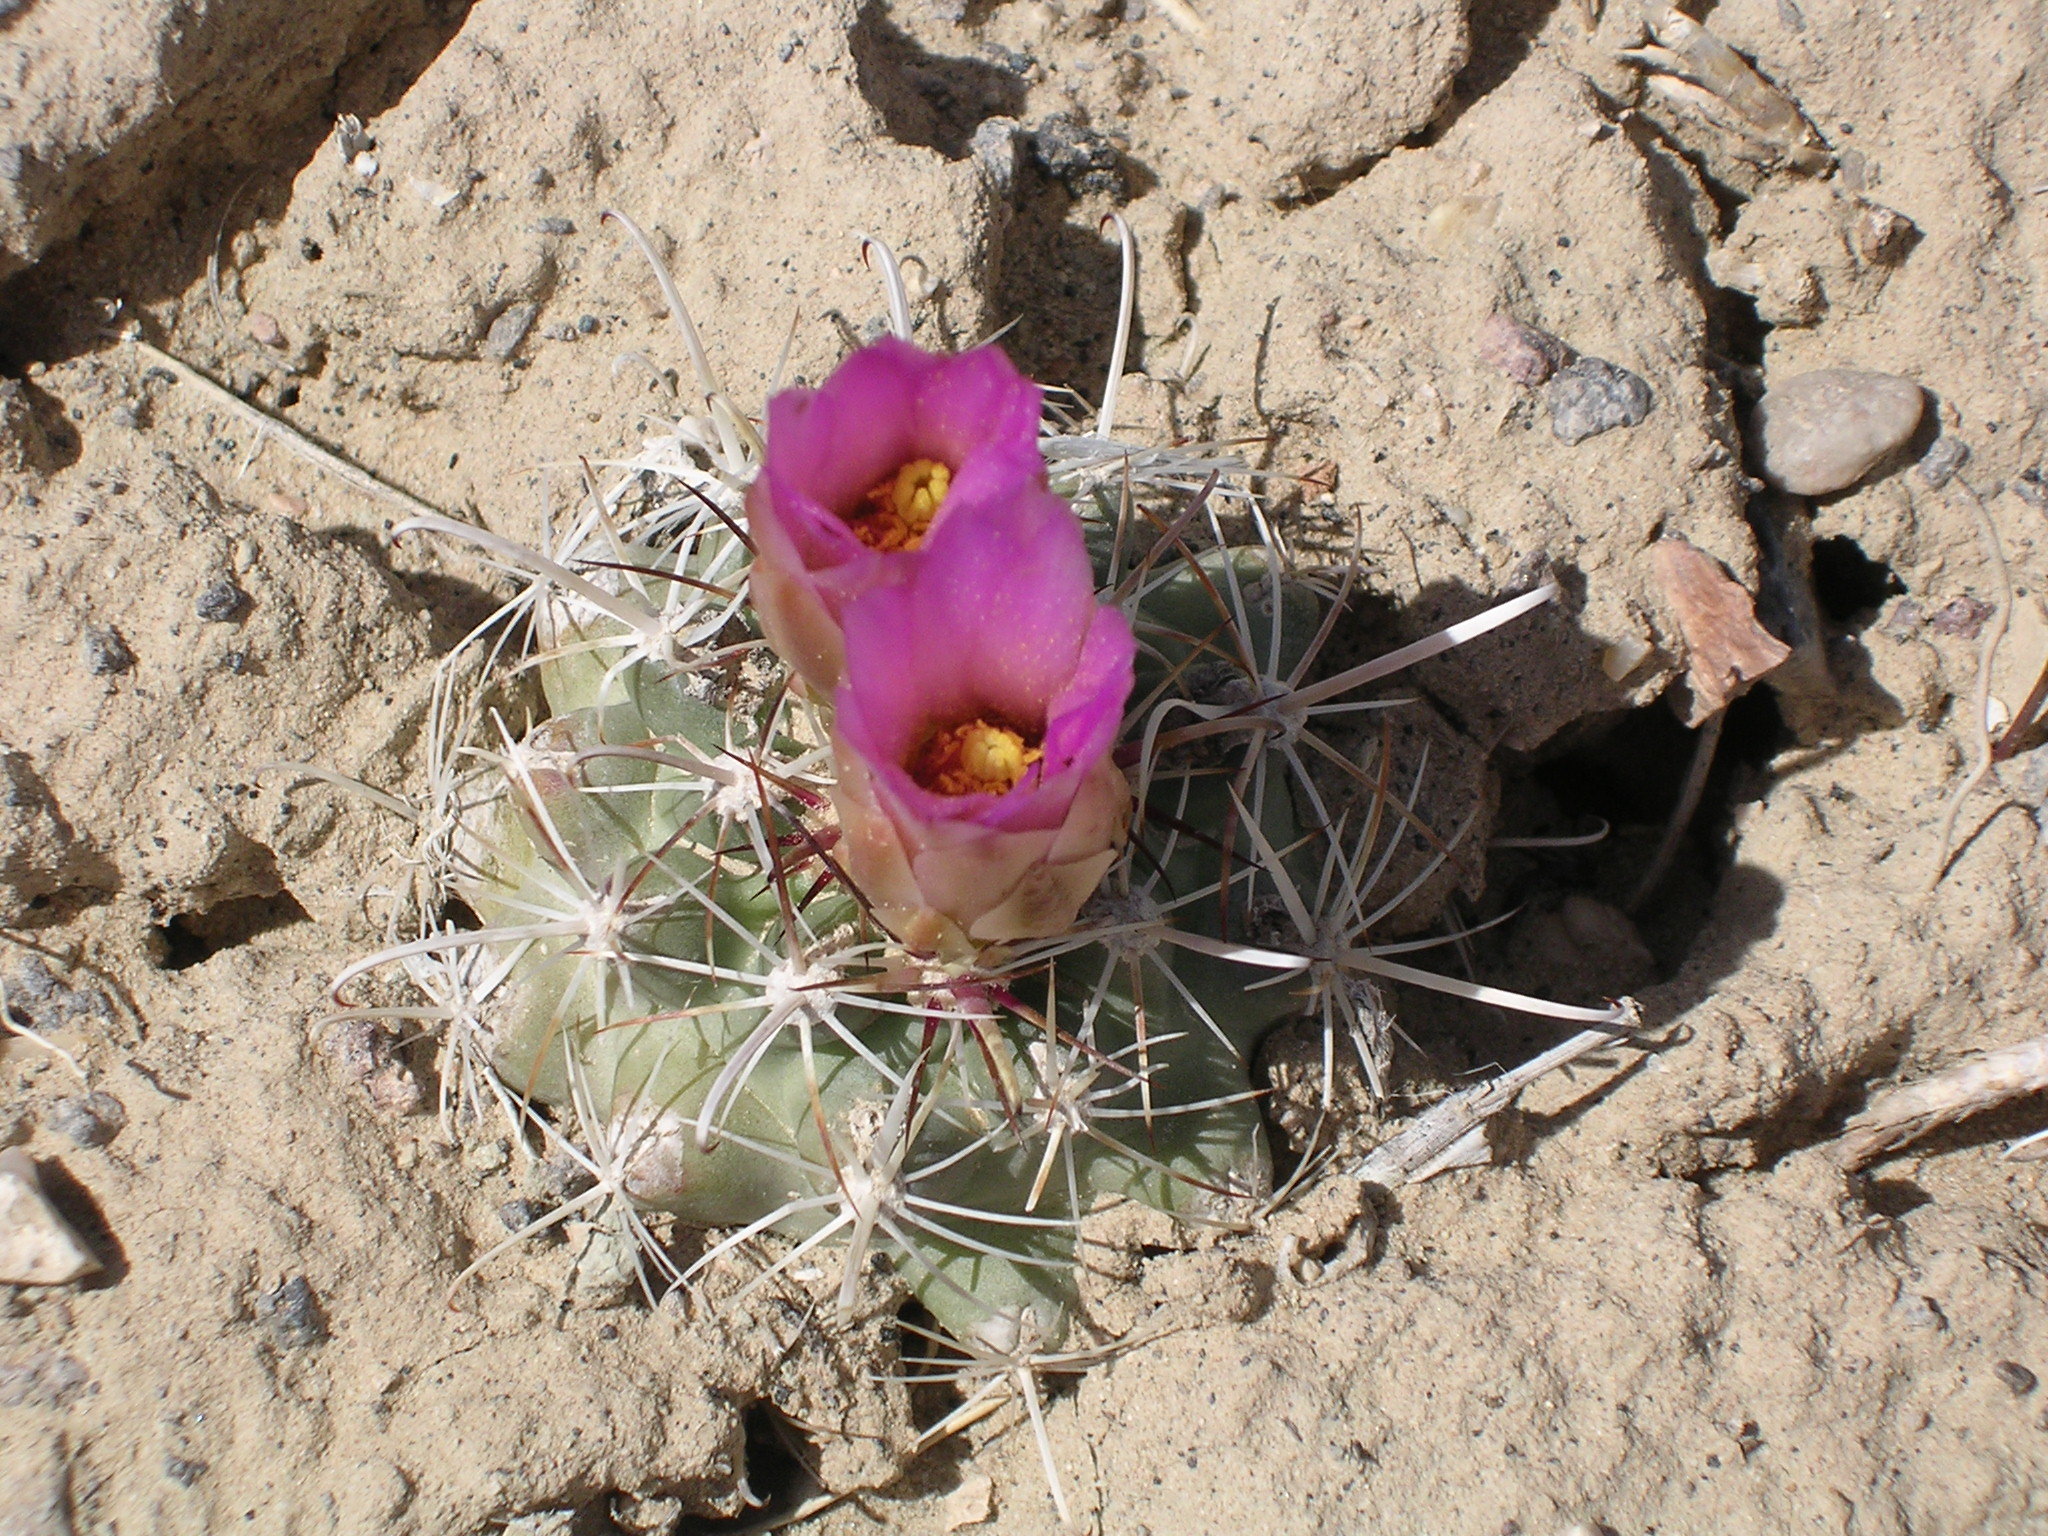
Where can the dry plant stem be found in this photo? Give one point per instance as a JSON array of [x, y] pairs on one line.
[[296, 441], [22, 1031], [1449, 1134], [1905, 1114], [1705, 742], [2023, 720], [1994, 636], [1127, 296]]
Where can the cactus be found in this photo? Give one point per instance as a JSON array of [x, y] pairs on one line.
[[693, 947]]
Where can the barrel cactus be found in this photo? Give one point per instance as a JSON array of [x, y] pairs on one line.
[[933, 809]]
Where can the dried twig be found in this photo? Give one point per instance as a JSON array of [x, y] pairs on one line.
[[1452, 1132], [1904, 1114], [1705, 742], [290, 437], [1994, 635], [8, 1025]]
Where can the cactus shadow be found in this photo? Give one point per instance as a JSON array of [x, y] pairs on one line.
[[1579, 924], [923, 98], [455, 604], [1063, 300]]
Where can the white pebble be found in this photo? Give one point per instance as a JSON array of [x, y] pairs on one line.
[[1823, 431], [37, 1246]]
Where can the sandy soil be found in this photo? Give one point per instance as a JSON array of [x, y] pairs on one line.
[[1665, 1308]]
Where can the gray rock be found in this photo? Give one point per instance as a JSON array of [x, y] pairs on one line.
[[23, 445], [508, 330], [1080, 158], [2017, 1378], [293, 1315], [221, 602], [106, 653], [1963, 618], [1524, 353], [1592, 396], [91, 1120], [1940, 463], [1824, 431], [38, 858], [517, 1215]]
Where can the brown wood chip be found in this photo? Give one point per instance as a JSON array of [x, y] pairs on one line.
[[1728, 649]]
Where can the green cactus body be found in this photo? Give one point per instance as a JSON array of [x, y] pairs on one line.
[[633, 817]]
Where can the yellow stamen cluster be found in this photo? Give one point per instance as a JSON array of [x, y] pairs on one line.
[[978, 757], [898, 513]]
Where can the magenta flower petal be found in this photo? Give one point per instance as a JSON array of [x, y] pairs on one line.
[[887, 406], [993, 616], [995, 624]]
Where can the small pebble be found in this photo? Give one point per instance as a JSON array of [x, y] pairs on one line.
[[508, 330], [1524, 353], [587, 324], [1920, 1312], [2032, 489], [1078, 157], [221, 601], [370, 1057], [264, 329], [518, 1215], [292, 1313], [1882, 235], [1938, 465], [559, 1179], [1963, 618], [182, 1471], [106, 653], [37, 1246], [1823, 431], [33, 990], [555, 227], [1592, 396], [90, 1120], [2017, 1377], [33, 981]]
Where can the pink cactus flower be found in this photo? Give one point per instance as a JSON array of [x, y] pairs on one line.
[[982, 699], [896, 445]]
